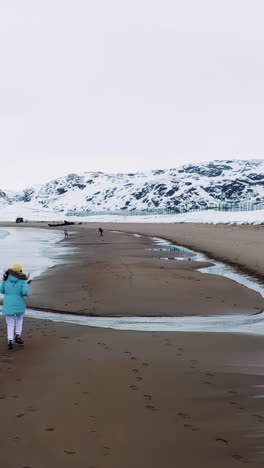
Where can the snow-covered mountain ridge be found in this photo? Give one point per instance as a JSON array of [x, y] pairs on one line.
[[187, 187]]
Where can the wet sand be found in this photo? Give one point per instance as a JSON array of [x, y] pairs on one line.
[[117, 275], [82, 397], [77, 396]]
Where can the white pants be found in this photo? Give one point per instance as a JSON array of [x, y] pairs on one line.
[[14, 325]]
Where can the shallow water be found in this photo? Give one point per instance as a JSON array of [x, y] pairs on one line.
[[36, 249], [221, 324], [3, 233], [39, 250], [217, 268]]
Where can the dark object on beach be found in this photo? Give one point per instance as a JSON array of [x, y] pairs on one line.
[[19, 220], [66, 223]]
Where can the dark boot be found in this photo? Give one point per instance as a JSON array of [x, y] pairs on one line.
[[10, 344], [19, 340]]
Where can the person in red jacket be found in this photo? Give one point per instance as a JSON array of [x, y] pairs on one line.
[[101, 231]]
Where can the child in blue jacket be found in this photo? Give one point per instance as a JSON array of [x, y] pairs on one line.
[[15, 287]]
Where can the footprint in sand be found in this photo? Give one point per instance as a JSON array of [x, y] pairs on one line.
[[223, 441], [135, 371], [234, 403], [238, 457], [133, 387], [50, 428], [20, 415], [184, 415], [147, 396], [193, 428], [32, 409], [2, 397], [151, 407], [145, 364], [209, 374], [70, 452], [139, 379]]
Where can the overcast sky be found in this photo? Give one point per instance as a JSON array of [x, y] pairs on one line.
[[123, 85]]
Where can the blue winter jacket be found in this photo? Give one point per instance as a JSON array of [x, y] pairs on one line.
[[14, 290]]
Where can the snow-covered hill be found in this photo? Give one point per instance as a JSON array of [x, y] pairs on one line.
[[187, 187]]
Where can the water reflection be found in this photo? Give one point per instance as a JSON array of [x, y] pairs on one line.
[[36, 249], [216, 267]]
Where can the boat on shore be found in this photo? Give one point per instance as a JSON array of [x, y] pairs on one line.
[[65, 223]]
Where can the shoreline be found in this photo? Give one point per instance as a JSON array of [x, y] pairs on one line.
[[121, 265], [145, 229], [95, 397], [76, 240], [240, 268]]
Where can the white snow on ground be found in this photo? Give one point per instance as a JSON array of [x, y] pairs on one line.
[[10, 212], [210, 217]]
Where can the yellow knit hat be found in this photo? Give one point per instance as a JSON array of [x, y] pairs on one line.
[[17, 267]]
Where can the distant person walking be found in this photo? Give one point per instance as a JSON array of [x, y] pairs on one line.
[[14, 287], [66, 233], [101, 232]]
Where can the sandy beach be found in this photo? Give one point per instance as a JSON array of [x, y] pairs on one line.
[[120, 276], [77, 396]]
